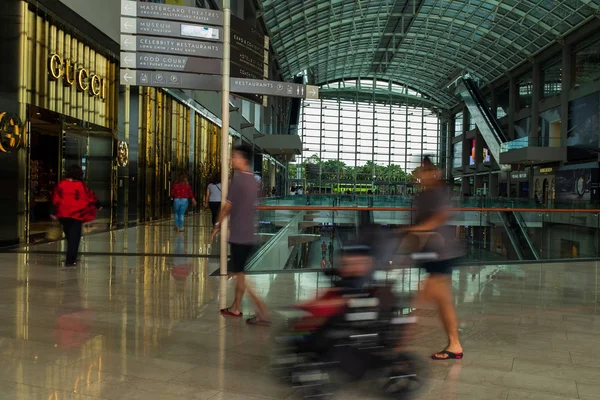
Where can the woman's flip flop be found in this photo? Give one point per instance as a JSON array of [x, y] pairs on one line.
[[227, 312], [451, 355]]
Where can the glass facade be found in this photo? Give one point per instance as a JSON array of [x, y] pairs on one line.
[[457, 155], [458, 124], [523, 128], [362, 143], [552, 78], [525, 89], [502, 101], [587, 59], [584, 128]]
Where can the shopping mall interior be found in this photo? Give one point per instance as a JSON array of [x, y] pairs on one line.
[[502, 96]]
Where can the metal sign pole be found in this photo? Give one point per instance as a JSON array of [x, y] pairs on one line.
[[225, 130]]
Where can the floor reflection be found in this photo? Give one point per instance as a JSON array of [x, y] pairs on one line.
[[147, 326]]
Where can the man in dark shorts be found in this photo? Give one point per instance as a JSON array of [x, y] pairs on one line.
[[240, 207], [432, 212]]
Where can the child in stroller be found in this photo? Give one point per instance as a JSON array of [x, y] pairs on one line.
[[351, 330]]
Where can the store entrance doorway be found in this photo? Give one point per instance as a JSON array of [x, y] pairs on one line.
[[56, 142]]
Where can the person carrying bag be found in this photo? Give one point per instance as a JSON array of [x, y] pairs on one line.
[[75, 204]]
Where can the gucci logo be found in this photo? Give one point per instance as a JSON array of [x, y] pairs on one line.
[[12, 131], [122, 154]]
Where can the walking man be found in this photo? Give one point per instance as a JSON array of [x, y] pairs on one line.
[[240, 207]]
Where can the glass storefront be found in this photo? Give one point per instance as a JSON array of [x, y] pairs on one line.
[[69, 100]]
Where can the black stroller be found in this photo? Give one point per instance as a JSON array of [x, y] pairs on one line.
[[352, 332]]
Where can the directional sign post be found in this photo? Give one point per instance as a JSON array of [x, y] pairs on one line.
[[269, 88]]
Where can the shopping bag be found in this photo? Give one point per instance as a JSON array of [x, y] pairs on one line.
[[55, 232]]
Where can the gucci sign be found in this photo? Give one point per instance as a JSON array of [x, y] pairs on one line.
[[12, 130], [72, 75], [122, 154]]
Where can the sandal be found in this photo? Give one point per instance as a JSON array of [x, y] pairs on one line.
[[227, 311], [451, 356], [257, 321]]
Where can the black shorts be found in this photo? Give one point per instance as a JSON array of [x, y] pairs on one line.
[[443, 267], [240, 253]]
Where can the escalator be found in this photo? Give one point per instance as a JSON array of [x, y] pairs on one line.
[[517, 234], [487, 123]]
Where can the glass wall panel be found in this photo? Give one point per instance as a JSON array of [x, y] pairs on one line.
[[587, 59], [523, 128], [458, 124], [502, 101], [364, 143], [552, 78], [525, 89], [457, 155], [583, 122]]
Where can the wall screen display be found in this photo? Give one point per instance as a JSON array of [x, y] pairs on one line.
[[486, 154]]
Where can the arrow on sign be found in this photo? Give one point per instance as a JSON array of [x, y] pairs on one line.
[[127, 42], [128, 7], [127, 77], [127, 60], [313, 92], [127, 25]]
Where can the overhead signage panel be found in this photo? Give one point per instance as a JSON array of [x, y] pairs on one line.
[[241, 28], [312, 92], [170, 29], [171, 12], [169, 62], [269, 88], [191, 48], [249, 61], [169, 79]]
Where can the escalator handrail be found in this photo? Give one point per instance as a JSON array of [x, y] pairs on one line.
[[521, 223], [511, 235], [474, 91]]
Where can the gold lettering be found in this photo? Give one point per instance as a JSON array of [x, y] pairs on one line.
[[69, 73], [82, 79], [55, 66], [96, 85]]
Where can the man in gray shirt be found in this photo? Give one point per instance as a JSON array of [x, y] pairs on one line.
[[240, 206]]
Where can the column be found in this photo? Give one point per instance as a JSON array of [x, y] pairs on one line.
[[568, 79], [536, 96]]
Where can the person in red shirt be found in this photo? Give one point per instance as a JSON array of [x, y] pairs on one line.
[[74, 205], [181, 192]]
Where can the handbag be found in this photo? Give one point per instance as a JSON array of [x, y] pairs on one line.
[[55, 232]]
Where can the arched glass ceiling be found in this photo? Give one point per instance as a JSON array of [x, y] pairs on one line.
[[421, 43]]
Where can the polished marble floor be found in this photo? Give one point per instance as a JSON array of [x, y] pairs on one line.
[[147, 327]]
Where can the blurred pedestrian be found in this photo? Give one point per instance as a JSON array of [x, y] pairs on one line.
[[75, 204], [212, 200], [181, 192], [240, 206], [432, 212]]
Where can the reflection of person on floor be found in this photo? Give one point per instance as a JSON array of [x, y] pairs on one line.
[[323, 263], [181, 268], [74, 205], [240, 206], [323, 249], [181, 192], [431, 214]]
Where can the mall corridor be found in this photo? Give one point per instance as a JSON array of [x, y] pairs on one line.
[[145, 325]]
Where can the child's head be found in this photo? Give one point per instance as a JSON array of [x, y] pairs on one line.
[[356, 260]]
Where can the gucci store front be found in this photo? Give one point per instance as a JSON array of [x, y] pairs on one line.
[[66, 105]]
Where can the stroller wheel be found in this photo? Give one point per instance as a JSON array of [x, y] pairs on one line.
[[405, 378]]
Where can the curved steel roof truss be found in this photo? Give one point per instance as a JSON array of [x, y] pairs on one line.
[[418, 42]]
